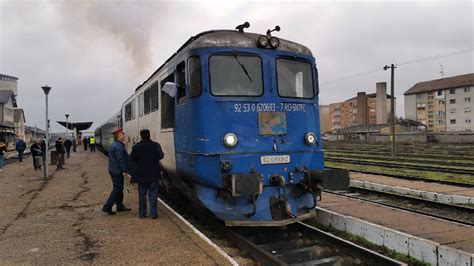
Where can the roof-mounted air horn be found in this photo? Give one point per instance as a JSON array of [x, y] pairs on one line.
[[241, 27]]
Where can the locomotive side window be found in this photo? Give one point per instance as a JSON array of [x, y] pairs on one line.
[[194, 76], [167, 105], [181, 85], [294, 79], [235, 75]]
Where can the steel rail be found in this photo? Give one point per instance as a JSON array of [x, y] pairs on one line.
[[262, 254]]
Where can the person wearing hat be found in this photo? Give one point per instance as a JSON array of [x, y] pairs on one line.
[[118, 170], [146, 156]]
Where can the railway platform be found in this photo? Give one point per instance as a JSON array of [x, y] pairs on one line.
[[432, 240], [58, 220]]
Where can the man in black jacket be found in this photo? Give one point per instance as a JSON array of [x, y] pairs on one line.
[[36, 151], [67, 145], [61, 151], [146, 156]]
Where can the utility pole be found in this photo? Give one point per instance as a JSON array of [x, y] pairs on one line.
[[46, 90], [392, 107]]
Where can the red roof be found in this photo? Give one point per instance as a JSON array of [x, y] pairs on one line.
[[441, 84]]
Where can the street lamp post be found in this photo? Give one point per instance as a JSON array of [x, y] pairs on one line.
[[392, 107], [46, 90], [67, 125]]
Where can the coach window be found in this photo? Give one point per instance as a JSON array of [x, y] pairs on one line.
[[235, 75], [194, 76], [154, 97], [134, 108], [128, 111], [147, 101], [167, 105], [141, 104], [294, 79]]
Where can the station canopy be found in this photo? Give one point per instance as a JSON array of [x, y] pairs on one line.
[[78, 125]]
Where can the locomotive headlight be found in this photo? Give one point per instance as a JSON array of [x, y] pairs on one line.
[[274, 42], [262, 41], [230, 140], [310, 138]]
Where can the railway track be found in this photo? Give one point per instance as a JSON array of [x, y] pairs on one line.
[[402, 165], [302, 244], [411, 177], [455, 213], [402, 159]]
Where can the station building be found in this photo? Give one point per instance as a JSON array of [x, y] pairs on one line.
[[442, 105], [362, 110]]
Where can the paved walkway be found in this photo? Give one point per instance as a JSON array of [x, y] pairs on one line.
[[420, 185], [59, 221]]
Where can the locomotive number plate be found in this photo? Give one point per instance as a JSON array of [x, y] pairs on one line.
[[275, 159]]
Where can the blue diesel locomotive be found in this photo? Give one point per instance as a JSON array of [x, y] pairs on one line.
[[237, 116]]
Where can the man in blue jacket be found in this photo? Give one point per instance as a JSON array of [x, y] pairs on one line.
[[118, 170], [146, 156], [20, 147]]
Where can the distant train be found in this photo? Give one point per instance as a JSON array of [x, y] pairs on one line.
[[237, 116]]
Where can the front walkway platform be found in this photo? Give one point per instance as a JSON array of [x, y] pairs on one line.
[[59, 221]]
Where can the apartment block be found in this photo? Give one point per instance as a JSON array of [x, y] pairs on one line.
[[445, 104], [363, 109]]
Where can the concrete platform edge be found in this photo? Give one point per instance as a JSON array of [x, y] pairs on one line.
[[201, 235], [412, 246], [432, 196]]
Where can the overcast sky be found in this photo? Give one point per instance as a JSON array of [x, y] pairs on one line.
[[95, 53]]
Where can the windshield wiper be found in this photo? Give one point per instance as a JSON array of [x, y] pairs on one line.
[[236, 54]]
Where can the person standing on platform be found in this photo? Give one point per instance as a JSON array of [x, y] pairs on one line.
[[74, 144], [85, 141], [92, 143], [3, 149], [118, 170], [20, 148], [68, 145], [146, 156], [61, 151], [35, 153]]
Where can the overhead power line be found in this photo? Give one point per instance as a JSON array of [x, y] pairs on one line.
[[413, 61]]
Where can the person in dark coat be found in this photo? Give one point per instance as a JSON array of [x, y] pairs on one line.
[[85, 141], [146, 156], [118, 170], [68, 145], [74, 144], [3, 149], [61, 151], [20, 148], [36, 152]]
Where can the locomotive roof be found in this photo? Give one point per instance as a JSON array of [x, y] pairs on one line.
[[229, 38]]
